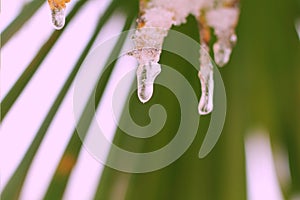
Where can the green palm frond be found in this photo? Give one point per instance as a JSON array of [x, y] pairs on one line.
[[27, 12]]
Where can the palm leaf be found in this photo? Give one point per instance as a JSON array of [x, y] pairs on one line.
[[16, 182], [262, 88], [28, 11]]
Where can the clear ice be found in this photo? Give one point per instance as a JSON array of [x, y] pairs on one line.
[[58, 18], [207, 83], [146, 75], [157, 17], [223, 20], [148, 43], [147, 71], [223, 48]]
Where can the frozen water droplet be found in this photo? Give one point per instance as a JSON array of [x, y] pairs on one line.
[[58, 18], [222, 52], [206, 101], [146, 75], [207, 82], [223, 48]]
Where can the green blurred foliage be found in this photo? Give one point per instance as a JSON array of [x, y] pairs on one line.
[[263, 90]]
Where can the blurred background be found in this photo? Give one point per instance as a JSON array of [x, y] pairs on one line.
[[257, 156]]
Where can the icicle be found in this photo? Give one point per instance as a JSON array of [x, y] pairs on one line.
[[147, 71], [153, 26], [146, 75], [223, 20], [207, 83], [58, 18], [223, 48], [157, 17], [57, 8], [206, 69]]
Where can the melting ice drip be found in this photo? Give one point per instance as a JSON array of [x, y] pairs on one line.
[[157, 17], [207, 82], [146, 75], [57, 8], [148, 40], [58, 18], [147, 71], [223, 20]]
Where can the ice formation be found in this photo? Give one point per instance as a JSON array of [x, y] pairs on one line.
[[157, 17], [57, 8]]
